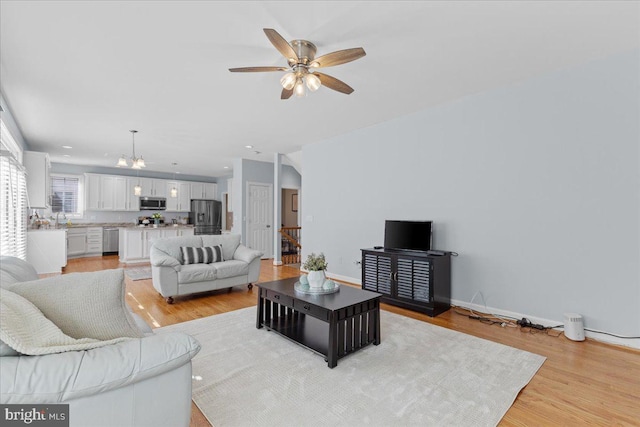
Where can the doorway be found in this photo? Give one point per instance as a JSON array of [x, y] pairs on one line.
[[260, 218]]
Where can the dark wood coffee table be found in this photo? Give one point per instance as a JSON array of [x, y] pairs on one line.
[[332, 325]]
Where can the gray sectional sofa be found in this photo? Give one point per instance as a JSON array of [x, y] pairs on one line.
[[172, 277]]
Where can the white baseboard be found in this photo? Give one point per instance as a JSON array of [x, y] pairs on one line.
[[345, 279], [633, 343]]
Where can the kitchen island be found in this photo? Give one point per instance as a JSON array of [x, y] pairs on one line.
[[135, 242]]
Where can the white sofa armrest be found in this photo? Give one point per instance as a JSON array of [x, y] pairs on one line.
[[159, 258], [246, 254], [60, 377]]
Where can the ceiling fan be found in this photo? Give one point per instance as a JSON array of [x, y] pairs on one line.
[[300, 55]]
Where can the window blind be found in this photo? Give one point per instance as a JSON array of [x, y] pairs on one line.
[[13, 207], [65, 194]]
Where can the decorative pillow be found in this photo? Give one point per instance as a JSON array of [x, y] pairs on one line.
[[24, 328], [83, 305], [204, 255]]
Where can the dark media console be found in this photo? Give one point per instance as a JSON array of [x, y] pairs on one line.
[[416, 280]]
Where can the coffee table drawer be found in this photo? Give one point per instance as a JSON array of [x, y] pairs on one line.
[[279, 298], [313, 310]]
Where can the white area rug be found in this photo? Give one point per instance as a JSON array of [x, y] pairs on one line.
[[420, 374], [138, 273]]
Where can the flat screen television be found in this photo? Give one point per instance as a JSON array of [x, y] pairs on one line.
[[411, 235]]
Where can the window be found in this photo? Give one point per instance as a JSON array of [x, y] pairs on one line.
[[66, 195], [13, 198]]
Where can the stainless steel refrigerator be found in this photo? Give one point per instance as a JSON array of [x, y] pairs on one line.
[[206, 216]]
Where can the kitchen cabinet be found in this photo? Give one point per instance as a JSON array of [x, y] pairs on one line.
[[94, 241], [132, 201], [76, 241], [38, 179], [92, 192], [130, 244], [135, 242], [178, 232], [106, 192], [204, 190], [182, 202], [46, 250], [149, 235], [153, 187]]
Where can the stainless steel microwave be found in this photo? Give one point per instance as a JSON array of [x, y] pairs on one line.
[[153, 203]]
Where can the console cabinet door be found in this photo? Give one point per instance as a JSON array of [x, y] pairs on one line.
[[413, 279], [377, 273]]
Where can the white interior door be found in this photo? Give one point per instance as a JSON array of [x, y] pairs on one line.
[[259, 218]]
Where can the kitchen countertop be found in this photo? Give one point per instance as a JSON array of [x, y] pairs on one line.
[[108, 225]]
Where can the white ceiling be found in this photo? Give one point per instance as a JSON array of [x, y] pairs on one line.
[[83, 73]]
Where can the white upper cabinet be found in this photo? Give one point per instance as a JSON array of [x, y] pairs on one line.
[[106, 192], [92, 192], [133, 201], [203, 190], [182, 201], [38, 179], [116, 192], [153, 187]]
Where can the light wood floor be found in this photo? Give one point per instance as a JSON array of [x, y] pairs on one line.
[[580, 383]]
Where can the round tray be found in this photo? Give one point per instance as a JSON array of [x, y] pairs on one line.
[[305, 289]]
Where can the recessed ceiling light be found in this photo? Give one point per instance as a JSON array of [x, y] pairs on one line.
[[226, 167], [248, 146], [67, 147], [66, 155]]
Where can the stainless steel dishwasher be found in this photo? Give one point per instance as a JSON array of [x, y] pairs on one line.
[[110, 240]]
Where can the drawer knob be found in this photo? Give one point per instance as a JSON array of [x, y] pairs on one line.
[[276, 296], [306, 307]]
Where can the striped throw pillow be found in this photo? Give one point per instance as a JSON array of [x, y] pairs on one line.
[[205, 255]]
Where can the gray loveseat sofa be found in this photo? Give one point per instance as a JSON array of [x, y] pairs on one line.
[[171, 276]]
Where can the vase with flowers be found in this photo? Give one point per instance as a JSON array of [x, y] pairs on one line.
[[316, 266], [156, 219]]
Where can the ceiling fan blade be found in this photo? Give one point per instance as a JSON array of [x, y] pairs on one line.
[[333, 83], [256, 69], [286, 93], [281, 44], [338, 57]]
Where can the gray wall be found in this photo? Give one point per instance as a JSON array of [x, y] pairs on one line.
[[535, 185]]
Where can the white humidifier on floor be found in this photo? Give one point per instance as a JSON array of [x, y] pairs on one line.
[[573, 326]]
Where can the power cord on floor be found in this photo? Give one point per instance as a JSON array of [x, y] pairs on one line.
[[525, 324]]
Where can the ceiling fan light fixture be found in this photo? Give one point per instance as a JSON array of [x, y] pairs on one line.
[[141, 162], [288, 81], [299, 89], [313, 82]]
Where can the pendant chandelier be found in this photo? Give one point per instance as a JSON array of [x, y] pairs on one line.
[[136, 162]]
